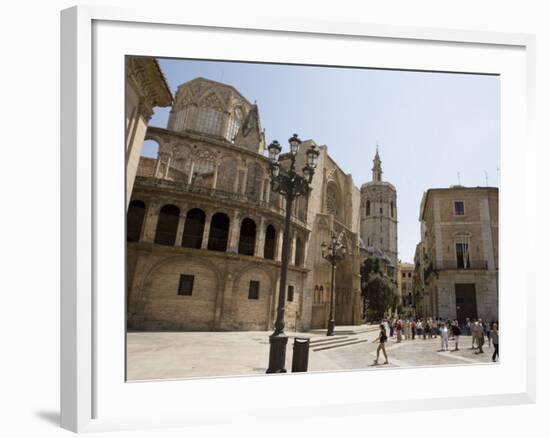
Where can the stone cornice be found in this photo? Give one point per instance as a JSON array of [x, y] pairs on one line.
[[146, 78], [210, 140]]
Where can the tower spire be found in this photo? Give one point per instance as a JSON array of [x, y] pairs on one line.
[[377, 167]]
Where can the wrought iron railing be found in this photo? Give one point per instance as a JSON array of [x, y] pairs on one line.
[[467, 264]]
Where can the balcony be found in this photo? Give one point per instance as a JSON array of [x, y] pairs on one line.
[[452, 264], [180, 187]]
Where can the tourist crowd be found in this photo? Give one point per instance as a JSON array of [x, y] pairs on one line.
[[427, 328]]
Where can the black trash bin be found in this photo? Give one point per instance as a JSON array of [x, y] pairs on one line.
[[300, 355]]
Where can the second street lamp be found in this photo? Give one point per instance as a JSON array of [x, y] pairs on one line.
[[333, 253], [290, 185]]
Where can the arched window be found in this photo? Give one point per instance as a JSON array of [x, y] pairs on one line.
[[194, 228], [299, 254], [368, 208], [248, 237], [270, 239], [167, 225], [134, 220], [219, 232], [391, 208]]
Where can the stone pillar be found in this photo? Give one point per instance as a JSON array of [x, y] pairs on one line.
[[215, 179], [438, 235], [245, 182], [150, 222], [191, 170], [260, 239], [181, 227], [262, 185], [234, 233], [279, 248], [268, 191], [206, 231], [305, 252], [292, 250], [487, 233]]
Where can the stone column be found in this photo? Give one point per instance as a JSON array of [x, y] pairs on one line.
[[305, 251], [487, 233], [215, 179], [279, 248], [181, 227], [245, 181], [191, 170], [438, 234], [206, 231], [150, 222], [268, 191], [262, 185], [292, 250], [234, 233], [260, 239]]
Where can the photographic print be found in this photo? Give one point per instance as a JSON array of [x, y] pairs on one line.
[[299, 218]]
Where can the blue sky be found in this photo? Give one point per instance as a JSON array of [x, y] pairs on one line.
[[429, 126]]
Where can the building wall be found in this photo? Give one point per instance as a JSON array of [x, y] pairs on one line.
[[332, 207], [443, 229], [145, 90], [230, 175]]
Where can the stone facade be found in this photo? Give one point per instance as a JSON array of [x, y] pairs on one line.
[[405, 285], [205, 229], [458, 254], [379, 213], [146, 88]]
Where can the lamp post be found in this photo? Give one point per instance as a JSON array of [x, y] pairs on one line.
[[289, 184], [333, 253]]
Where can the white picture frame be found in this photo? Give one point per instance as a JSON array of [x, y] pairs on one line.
[[93, 395]]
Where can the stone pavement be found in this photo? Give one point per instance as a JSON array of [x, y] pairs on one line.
[[174, 355]]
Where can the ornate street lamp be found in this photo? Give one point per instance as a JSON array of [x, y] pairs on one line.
[[290, 185], [334, 252]]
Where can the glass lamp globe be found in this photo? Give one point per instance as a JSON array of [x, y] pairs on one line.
[[312, 156], [274, 150], [295, 143]]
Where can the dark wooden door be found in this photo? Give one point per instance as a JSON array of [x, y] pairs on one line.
[[465, 301]]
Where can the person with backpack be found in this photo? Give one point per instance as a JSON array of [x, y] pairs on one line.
[[382, 338]]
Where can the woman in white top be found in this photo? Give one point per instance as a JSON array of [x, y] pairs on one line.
[[444, 333]]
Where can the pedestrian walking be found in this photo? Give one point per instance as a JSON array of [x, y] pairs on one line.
[[473, 332], [480, 336], [399, 329], [386, 327], [494, 338], [427, 329], [456, 334], [382, 338], [413, 329], [444, 334]]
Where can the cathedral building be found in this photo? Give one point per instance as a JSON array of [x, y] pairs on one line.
[[204, 228], [379, 215]]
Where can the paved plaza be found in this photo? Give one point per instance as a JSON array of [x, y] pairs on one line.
[[173, 355]]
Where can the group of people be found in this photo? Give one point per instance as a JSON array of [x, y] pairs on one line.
[[428, 328]]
